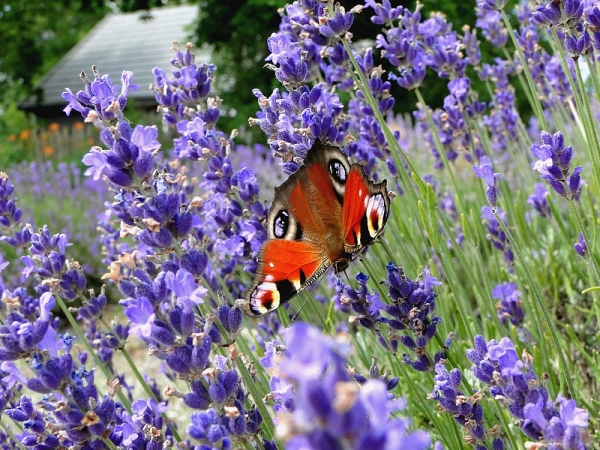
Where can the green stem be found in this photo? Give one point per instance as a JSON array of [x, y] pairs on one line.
[[538, 298], [582, 109], [363, 84], [12, 435], [146, 388], [594, 76], [536, 105], [79, 333], [587, 241], [268, 426], [109, 444]]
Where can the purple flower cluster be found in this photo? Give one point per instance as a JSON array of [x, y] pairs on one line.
[[163, 273], [44, 253], [578, 24], [294, 120], [539, 200], [99, 102], [10, 214], [509, 304], [363, 307], [330, 410], [581, 247], [21, 335], [413, 310], [554, 164], [467, 411], [554, 423], [489, 21], [71, 411], [183, 98], [81, 200]]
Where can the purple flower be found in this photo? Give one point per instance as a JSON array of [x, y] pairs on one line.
[[553, 423], [98, 102], [337, 25], [495, 234], [363, 305], [539, 200], [384, 13], [185, 288], [145, 138], [141, 315], [492, 5], [467, 411], [329, 408], [581, 247], [74, 104], [554, 164], [509, 304], [413, 309], [278, 44], [490, 22], [413, 76], [459, 88], [486, 172], [97, 161]]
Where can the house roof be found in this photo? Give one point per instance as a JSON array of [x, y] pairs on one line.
[[138, 41]]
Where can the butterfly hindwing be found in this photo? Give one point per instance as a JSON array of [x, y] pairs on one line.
[[286, 268], [365, 216]]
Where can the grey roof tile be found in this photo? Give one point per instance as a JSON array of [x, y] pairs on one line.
[[122, 42]]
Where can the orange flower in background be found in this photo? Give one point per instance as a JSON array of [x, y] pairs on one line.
[[90, 141], [12, 138], [78, 126], [24, 135], [53, 127], [48, 150]]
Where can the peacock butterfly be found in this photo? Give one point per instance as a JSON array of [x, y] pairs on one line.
[[323, 214]]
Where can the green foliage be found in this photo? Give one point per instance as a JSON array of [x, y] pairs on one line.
[[238, 35], [40, 33]]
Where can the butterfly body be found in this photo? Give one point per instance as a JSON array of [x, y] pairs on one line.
[[323, 215]]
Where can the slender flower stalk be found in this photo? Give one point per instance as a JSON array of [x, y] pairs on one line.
[[541, 306]]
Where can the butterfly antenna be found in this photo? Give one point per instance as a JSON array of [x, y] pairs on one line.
[[302, 307], [347, 278], [307, 299]]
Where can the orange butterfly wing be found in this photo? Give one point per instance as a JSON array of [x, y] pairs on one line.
[[285, 268], [322, 215], [366, 210]]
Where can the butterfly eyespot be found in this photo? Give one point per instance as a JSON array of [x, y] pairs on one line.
[[338, 171], [281, 224]]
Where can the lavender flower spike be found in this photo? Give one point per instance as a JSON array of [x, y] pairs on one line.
[[554, 164], [554, 424], [330, 410], [581, 247], [492, 5], [486, 172]]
